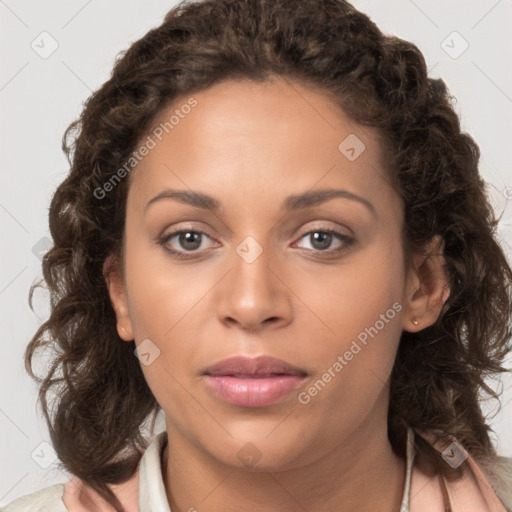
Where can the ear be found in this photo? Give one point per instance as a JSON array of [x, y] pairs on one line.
[[113, 275], [427, 286]]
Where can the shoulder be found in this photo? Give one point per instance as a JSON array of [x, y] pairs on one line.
[[76, 495], [499, 473], [485, 484], [44, 500]]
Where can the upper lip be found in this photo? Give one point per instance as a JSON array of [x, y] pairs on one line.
[[261, 365]]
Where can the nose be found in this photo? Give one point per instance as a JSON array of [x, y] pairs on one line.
[[254, 295]]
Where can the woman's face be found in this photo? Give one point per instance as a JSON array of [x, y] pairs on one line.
[[320, 284]]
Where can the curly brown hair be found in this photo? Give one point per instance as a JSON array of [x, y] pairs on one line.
[[101, 399]]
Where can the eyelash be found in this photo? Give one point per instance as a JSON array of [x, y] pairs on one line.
[[348, 242]]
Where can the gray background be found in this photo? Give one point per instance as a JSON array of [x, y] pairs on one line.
[[39, 97]]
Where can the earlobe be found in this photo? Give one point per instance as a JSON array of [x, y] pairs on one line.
[[123, 333], [427, 287], [112, 274]]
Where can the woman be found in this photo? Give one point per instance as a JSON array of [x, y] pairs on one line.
[[275, 232]]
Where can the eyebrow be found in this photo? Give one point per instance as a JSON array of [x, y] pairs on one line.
[[291, 203]]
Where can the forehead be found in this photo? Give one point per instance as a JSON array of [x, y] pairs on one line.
[[259, 138]]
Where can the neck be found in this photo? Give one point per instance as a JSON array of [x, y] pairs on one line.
[[361, 473]]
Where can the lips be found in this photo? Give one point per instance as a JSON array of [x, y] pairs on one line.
[[257, 367], [253, 382]]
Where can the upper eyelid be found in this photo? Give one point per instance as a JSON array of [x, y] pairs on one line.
[[205, 231]]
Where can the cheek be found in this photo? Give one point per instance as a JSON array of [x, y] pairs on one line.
[[168, 306], [162, 293], [346, 299], [359, 313]]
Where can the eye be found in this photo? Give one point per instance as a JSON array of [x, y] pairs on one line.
[[187, 240], [321, 240], [191, 241]]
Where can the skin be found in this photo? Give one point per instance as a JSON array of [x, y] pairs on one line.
[[251, 146]]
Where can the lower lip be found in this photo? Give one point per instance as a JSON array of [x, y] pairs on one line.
[[253, 392]]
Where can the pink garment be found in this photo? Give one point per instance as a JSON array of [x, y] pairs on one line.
[[472, 493], [79, 497]]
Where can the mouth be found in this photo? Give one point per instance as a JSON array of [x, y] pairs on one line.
[[253, 382]]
